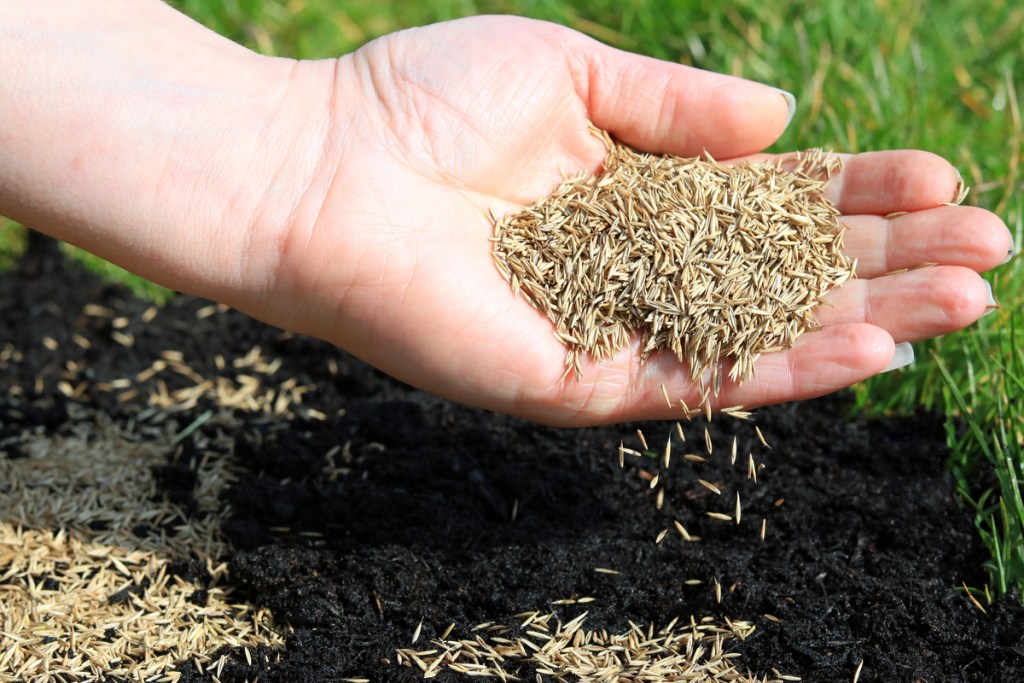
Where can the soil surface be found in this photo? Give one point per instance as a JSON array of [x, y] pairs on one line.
[[372, 508]]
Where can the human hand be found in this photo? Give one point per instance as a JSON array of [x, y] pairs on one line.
[[349, 199], [488, 114]]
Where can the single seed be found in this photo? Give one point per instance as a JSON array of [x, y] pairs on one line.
[[682, 531], [760, 437], [654, 481], [856, 673], [679, 430], [661, 536], [660, 500], [739, 509], [764, 527], [604, 570], [709, 486], [719, 515], [664, 392], [416, 633], [707, 440], [693, 457], [668, 451], [779, 502], [732, 457], [643, 441], [718, 592]]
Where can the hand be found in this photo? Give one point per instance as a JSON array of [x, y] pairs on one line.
[[487, 114], [349, 199]]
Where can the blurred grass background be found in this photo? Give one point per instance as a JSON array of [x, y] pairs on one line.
[[868, 74]]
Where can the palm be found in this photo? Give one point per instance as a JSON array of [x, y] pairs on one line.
[[485, 115]]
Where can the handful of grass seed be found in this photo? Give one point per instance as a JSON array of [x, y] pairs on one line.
[[705, 260]]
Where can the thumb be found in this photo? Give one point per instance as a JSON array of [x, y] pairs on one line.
[[658, 106]]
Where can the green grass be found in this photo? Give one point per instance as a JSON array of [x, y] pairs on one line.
[[945, 77]]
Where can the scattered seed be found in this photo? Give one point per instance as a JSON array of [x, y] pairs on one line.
[[682, 531], [710, 487], [720, 516], [416, 633], [693, 457], [760, 437], [707, 440], [664, 392], [679, 430], [856, 673], [661, 536]]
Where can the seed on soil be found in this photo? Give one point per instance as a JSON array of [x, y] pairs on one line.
[[682, 531], [699, 259], [732, 455], [739, 508], [693, 457], [710, 487], [718, 591], [668, 452], [856, 673], [605, 570], [707, 441], [660, 500], [778, 502], [764, 527], [719, 516], [661, 536], [678, 652]]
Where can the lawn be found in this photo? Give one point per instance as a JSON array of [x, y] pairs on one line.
[[867, 75]]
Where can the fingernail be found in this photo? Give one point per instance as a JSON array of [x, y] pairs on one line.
[[990, 306], [790, 102], [1011, 252], [903, 357]]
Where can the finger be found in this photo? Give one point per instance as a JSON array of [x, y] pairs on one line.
[[910, 306], [658, 106], [886, 182], [949, 235], [820, 363]]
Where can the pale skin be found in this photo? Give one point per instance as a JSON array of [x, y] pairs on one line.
[[348, 198]]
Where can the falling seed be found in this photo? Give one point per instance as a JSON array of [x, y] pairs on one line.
[[654, 481], [739, 509], [664, 392], [50, 343], [760, 437], [718, 592], [773, 618], [660, 500], [668, 451], [682, 531], [661, 536], [679, 430], [643, 441], [622, 455], [720, 516], [693, 582], [709, 486], [764, 527], [732, 457], [587, 599], [779, 502], [605, 570], [856, 673], [707, 440], [693, 457], [515, 509]]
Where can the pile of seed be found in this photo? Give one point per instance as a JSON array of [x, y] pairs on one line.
[[702, 259], [88, 587], [694, 652]]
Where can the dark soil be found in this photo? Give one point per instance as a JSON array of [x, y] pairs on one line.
[[865, 548]]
